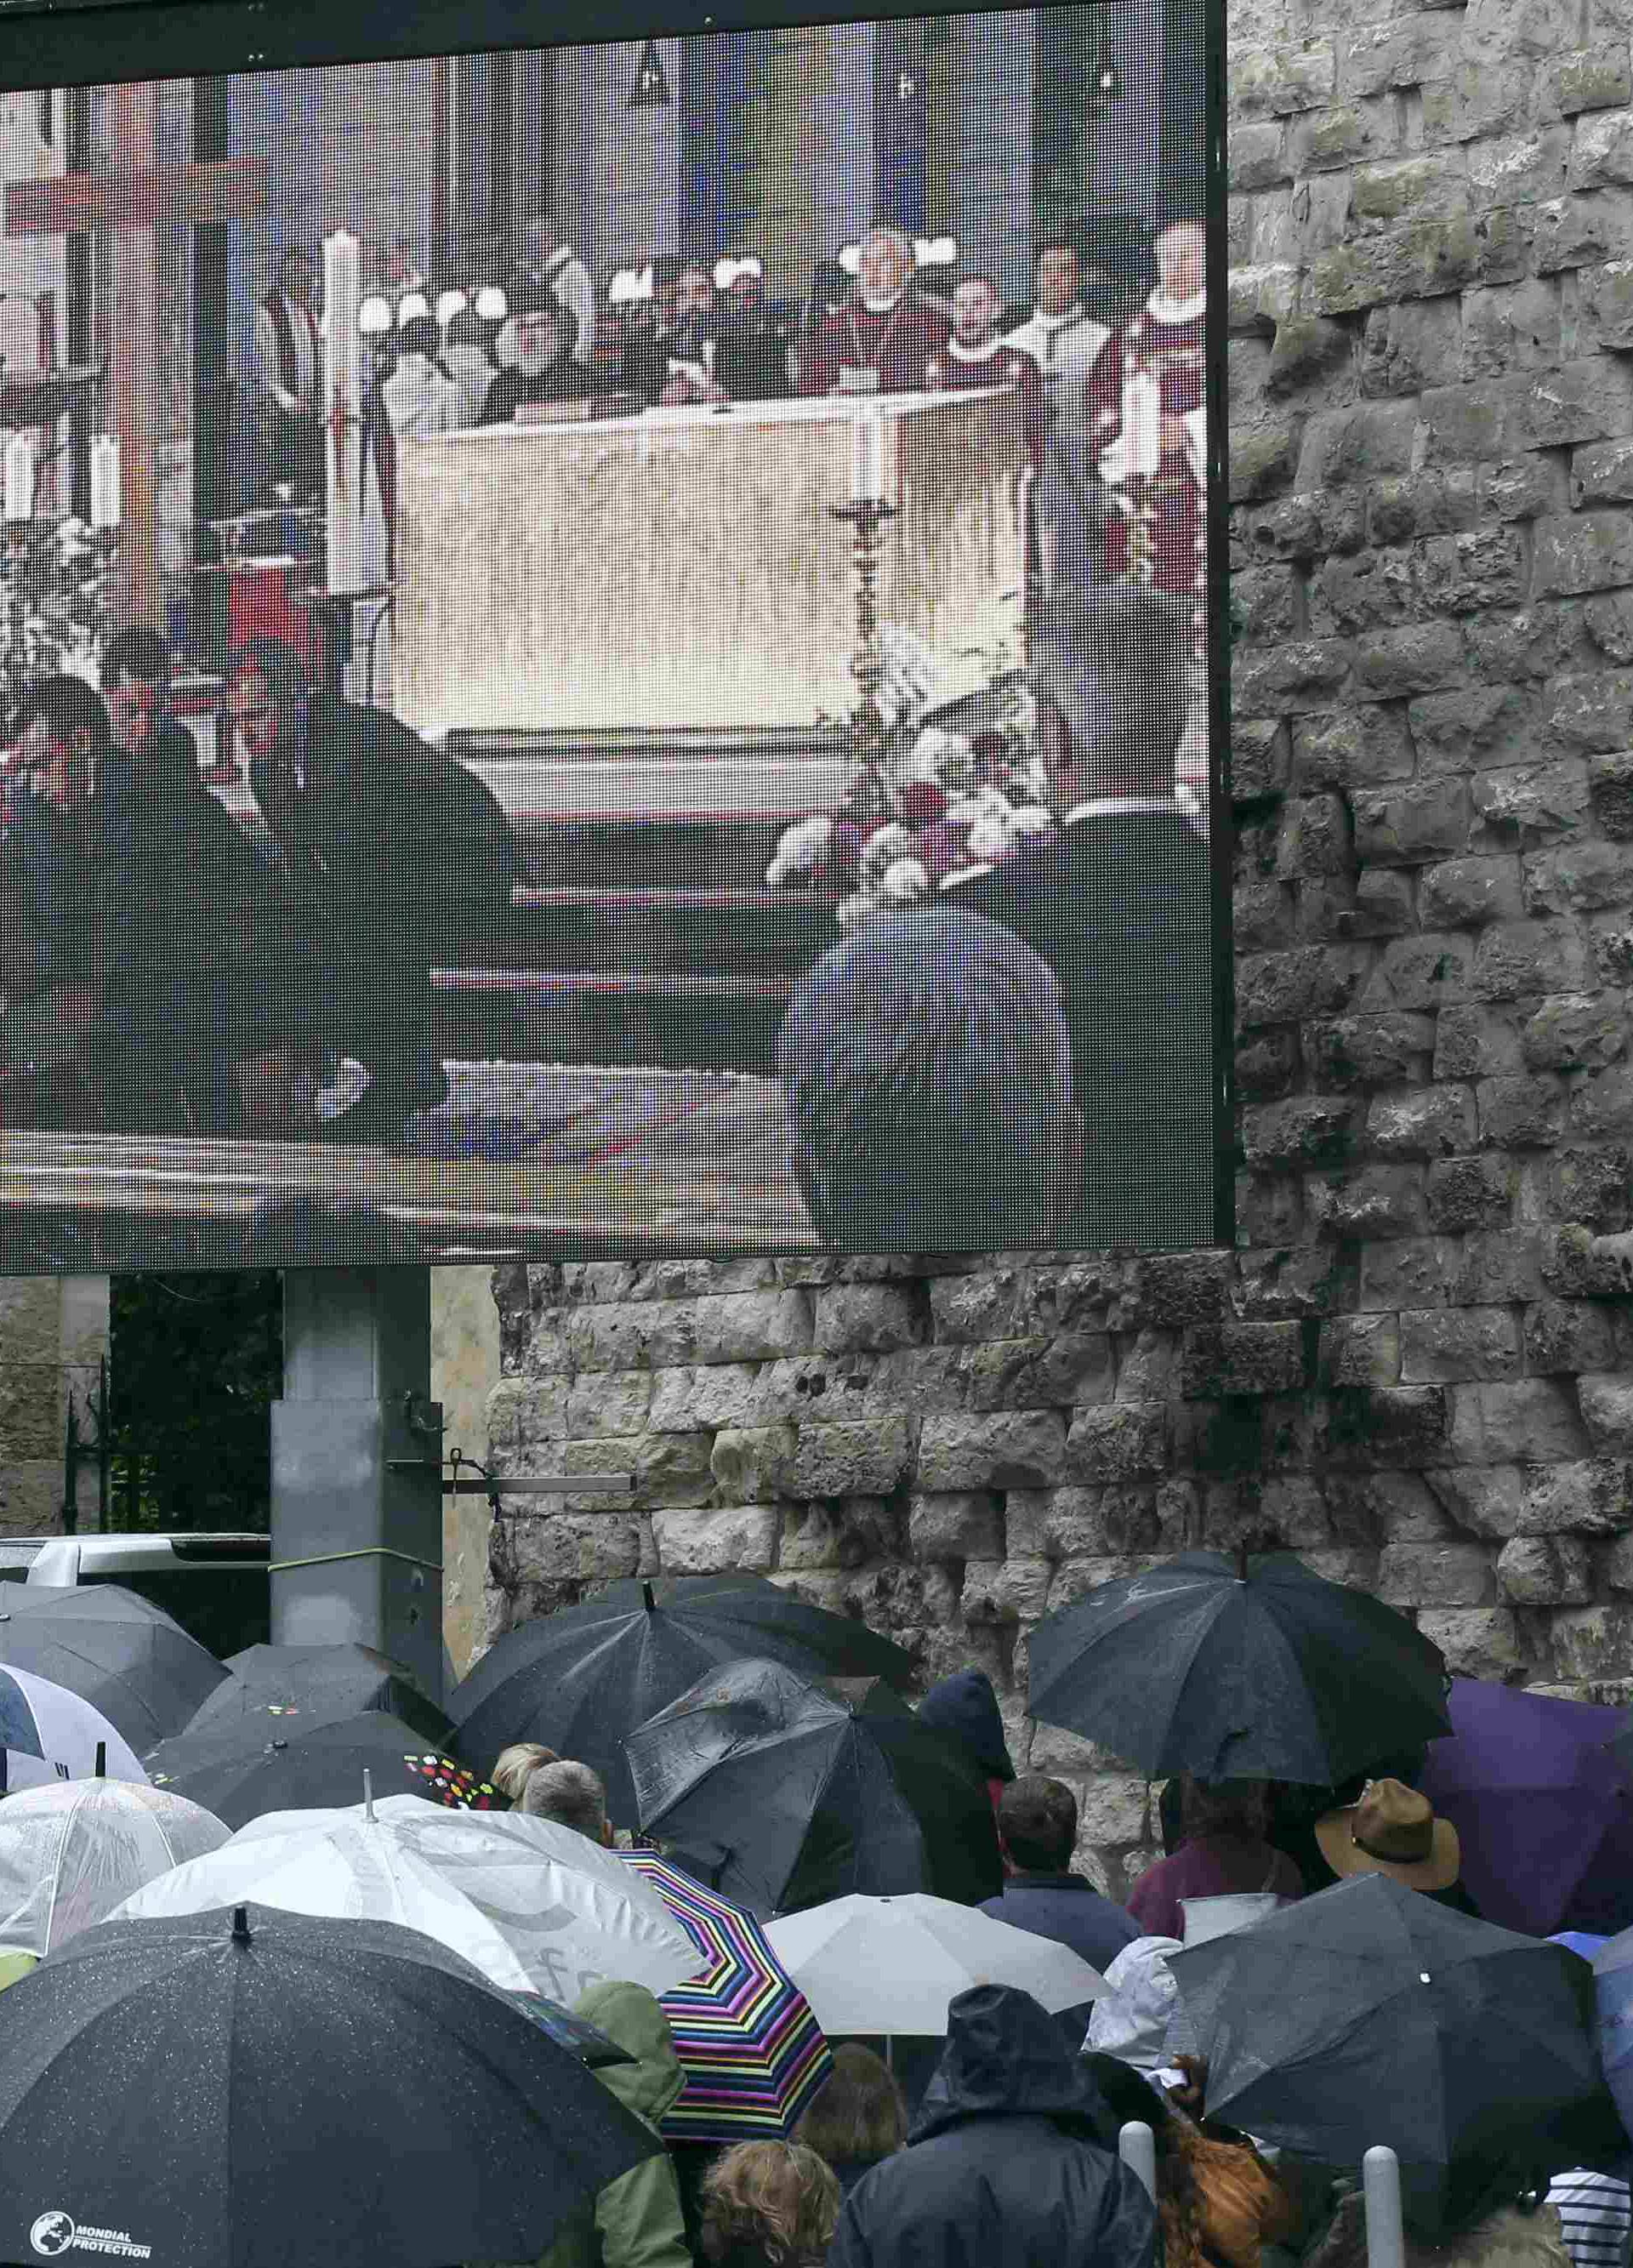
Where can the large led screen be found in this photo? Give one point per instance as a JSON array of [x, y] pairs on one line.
[[609, 650]]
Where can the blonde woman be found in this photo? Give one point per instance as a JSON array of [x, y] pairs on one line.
[[768, 2204]]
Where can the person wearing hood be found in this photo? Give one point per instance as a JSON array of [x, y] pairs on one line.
[[883, 337], [1012, 2162], [965, 1708], [636, 2222]]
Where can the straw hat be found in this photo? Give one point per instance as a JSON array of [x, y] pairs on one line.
[[1391, 1830]]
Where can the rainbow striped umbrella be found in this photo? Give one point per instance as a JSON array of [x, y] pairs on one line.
[[753, 2054]]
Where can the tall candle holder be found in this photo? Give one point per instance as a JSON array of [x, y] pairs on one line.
[[865, 517]]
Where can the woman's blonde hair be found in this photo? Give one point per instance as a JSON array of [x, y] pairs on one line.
[[859, 2113], [777, 2198], [517, 1764]]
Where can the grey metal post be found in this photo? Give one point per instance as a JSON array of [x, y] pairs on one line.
[[357, 1486], [1136, 2146], [1386, 2236]]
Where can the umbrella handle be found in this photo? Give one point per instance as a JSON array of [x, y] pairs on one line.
[[1386, 2237], [101, 1760], [1136, 2146], [368, 1795]]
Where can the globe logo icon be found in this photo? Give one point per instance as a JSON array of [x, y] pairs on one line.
[[51, 2233]]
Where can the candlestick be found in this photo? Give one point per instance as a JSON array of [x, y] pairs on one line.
[[19, 476], [341, 401], [104, 481], [867, 457]]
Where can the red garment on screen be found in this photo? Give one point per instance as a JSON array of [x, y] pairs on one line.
[[898, 344]]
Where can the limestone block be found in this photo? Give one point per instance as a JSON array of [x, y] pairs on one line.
[[1041, 1372], [1458, 1343], [1467, 892], [1424, 1121], [1606, 1406], [523, 1410], [609, 1402], [1590, 1498], [847, 1534], [868, 1317], [1436, 1575], [1477, 1641], [959, 1524], [686, 1401], [1005, 1590], [1013, 1450], [1565, 1336], [1541, 1571], [1360, 1351], [557, 1546], [850, 1460], [740, 1536], [1593, 1642], [753, 1462], [1118, 1444], [1465, 1193], [1531, 1419]]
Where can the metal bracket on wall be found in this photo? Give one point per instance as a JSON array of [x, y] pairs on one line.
[[485, 1481]]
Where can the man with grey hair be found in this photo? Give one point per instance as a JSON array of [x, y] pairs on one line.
[[884, 335], [548, 261], [927, 1070], [1120, 903], [570, 1794]]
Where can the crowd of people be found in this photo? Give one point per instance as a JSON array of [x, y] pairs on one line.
[[998, 2145], [1107, 360]]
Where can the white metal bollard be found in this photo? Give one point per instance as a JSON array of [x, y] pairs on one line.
[[1386, 2237], [1136, 2146]]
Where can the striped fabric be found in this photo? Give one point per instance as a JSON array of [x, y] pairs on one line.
[[1596, 2215], [753, 2054]]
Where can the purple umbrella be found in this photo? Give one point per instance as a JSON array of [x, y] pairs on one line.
[[1542, 1807]]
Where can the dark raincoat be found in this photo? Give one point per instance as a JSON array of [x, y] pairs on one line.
[[1012, 2161], [965, 1707]]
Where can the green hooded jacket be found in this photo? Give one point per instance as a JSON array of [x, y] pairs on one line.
[[636, 2222]]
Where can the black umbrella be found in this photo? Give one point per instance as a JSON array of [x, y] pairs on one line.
[[112, 1647], [782, 1792], [246, 2088], [240, 1772], [1238, 1669], [581, 1680], [1370, 2013], [293, 1688]]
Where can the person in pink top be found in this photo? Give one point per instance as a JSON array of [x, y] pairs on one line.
[[1226, 1852]]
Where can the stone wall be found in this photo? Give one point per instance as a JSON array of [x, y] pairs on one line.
[[1417, 1368]]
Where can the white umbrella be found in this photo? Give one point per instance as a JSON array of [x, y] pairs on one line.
[[537, 1908], [890, 1965], [70, 1852], [70, 1732]]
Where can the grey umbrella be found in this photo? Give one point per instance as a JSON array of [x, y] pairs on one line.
[[112, 1647]]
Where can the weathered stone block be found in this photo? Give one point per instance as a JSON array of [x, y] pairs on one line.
[[1606, 1406], [850, 1460], [1428, 1122], [1360, 1351], [1006, 1590], [1590, 1643], [1520, 1113], [1041, 1372], [1471, 729], [717, 1542], [1590, 1498], [1122, 1442], [1004, 1450], [1278, 81], [867, 1318], [846, 1532], [1563, 1336], [1467, 1193], [1458, 1343], [1411, 825], [1543, 1571], [1436, 1575], [1370, 1050], [1475, 1041], [962, 1524], [1580, 878], [753, 1462], [609, 1402], [1477, 1642], [564, 1547], [1244, 1358], [1586, 551], [1372, 1427], [1532, 1420]]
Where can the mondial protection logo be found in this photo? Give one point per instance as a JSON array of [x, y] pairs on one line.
[[56, 2233]]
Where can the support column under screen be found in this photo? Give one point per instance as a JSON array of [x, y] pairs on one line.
[[356, 1484]]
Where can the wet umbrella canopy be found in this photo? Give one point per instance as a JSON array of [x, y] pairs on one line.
[[291, 1689], [581, 1680], [113, 1649], [156, 2085], [239, 1772], [1372, 2015], [780, 1791], [1250, 1669], [1543, 1807]]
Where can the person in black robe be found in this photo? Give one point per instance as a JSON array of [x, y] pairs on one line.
[[395, 857], [751, 352], [1119, 904], [644, 369], [545, 369]]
